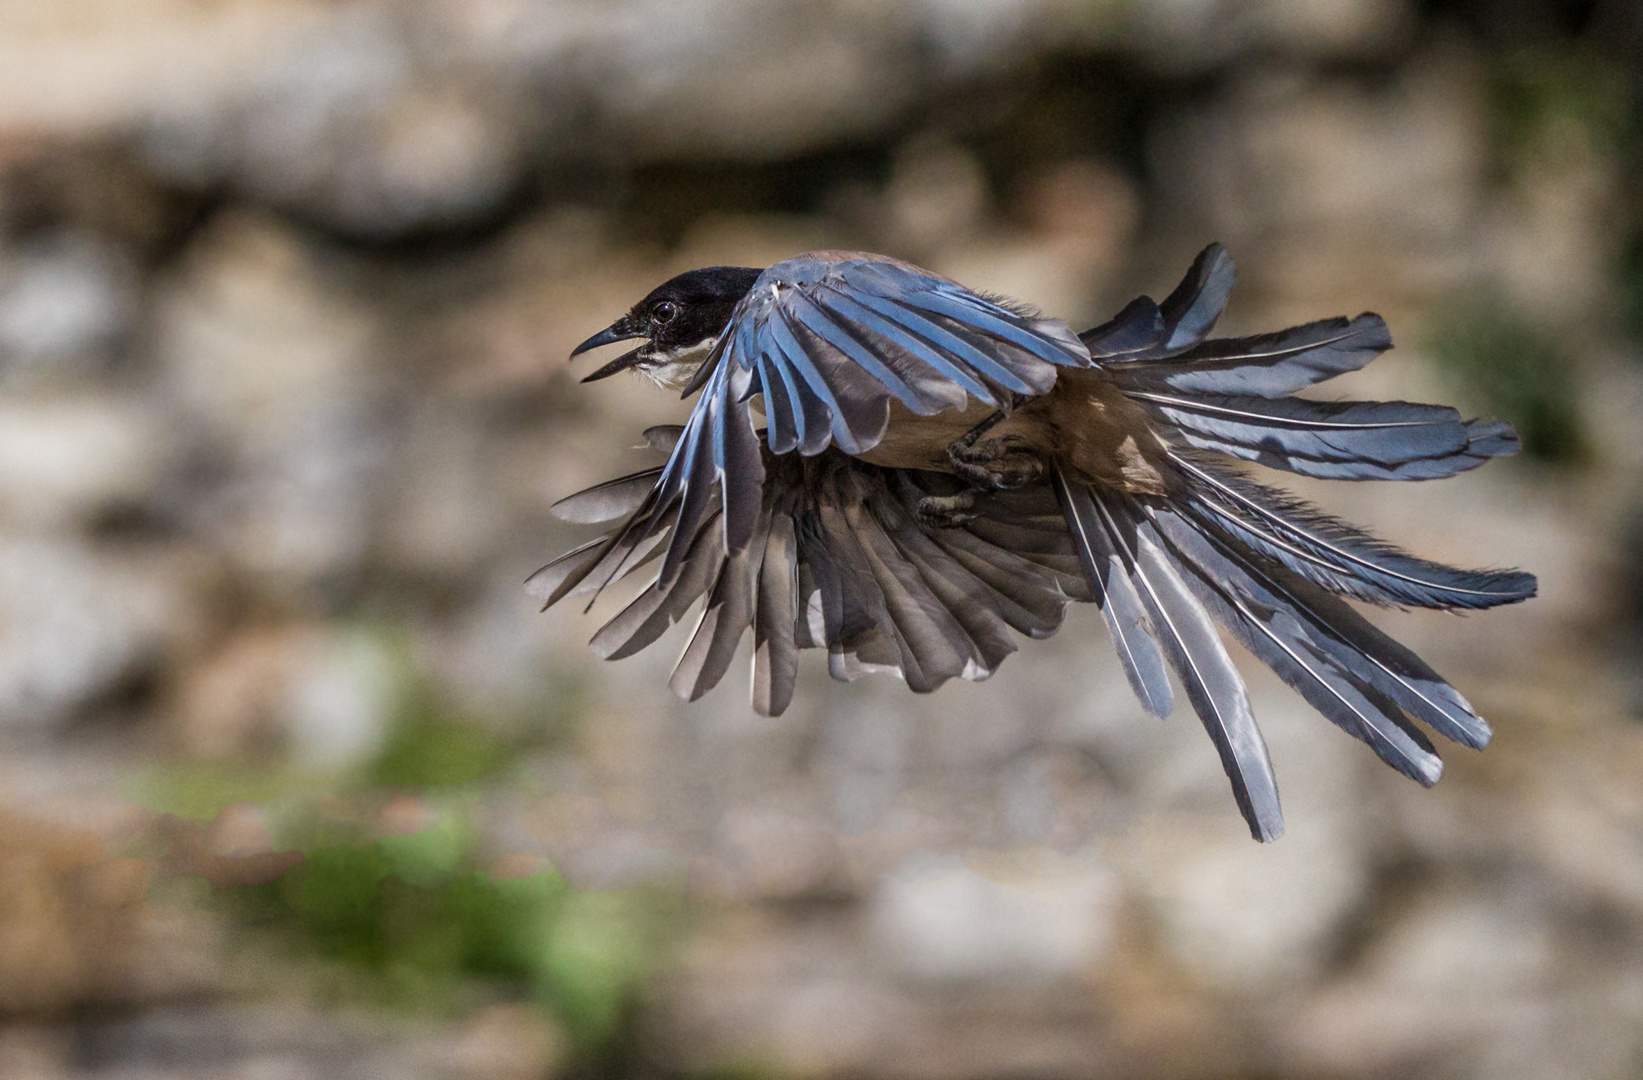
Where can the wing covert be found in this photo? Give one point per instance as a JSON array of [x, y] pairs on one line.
[[828, 340]]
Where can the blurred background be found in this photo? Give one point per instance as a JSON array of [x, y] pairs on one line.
[[296, 782]]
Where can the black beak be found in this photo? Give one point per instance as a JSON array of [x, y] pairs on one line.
[[620, 330], [621, 363]]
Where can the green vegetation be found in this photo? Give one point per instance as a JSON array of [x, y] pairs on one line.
[[1514, 370], [427, 748], [409, 914], [1566, 103], [416, 921], [1543, 96], [1631, 283]]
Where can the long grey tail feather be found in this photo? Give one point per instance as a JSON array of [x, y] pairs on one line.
[[1267, 365], [1290, 637], [1111, 572], [1119, 543], [1329, 653]]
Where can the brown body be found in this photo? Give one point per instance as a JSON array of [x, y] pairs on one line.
[[1083, 425]]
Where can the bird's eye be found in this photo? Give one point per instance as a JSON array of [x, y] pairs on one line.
[[664, 313]]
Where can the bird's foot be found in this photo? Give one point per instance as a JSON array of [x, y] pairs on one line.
[[946, 511], [996, 464]]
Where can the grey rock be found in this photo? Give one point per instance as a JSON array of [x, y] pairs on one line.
[[64, 459], [75, 622], [65, 302], [268, 371], [1034, 916]]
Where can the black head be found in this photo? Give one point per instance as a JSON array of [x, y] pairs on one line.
[[682, 319]]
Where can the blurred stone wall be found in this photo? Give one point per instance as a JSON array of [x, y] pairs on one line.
[[285, 292]]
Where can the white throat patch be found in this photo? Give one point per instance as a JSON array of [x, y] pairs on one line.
[[674, 370]]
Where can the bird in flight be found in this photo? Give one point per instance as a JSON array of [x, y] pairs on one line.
[[887, 465]]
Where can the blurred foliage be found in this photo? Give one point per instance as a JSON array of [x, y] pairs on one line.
[[1555, 103], [1515, 371], [428, 744], [1631, 282], [427, 747], [201, 793], [1543, 95], [414, 921]]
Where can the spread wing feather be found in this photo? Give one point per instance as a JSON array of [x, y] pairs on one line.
[[607, 501], [1335, 555], [1268, 365], [776, 615], [1350, 440], [838, 560]]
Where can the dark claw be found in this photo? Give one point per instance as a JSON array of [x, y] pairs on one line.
[[996, 464], [946, 511]]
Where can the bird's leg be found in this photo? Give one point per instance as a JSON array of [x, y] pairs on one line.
[[996, 464], [946, 511]]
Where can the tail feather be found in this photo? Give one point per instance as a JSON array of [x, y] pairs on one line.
[[1111, 577], [1137, 330], [1191, 310], [1384, 663], [1491, 438], [1194, 649]]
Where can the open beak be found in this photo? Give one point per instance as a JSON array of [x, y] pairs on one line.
[[620, 330], [621, 363]]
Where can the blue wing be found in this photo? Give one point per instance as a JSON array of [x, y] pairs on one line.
[[829, 340]]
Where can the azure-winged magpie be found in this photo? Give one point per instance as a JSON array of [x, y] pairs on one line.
[[937, 468]]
